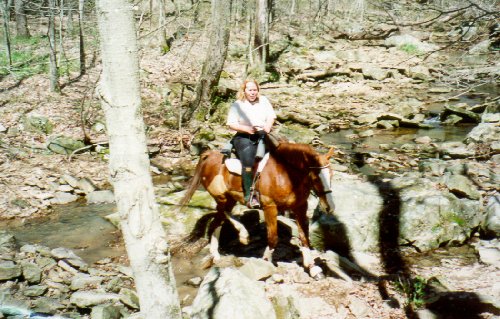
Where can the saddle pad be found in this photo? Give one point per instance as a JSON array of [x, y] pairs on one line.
[[234, 165]]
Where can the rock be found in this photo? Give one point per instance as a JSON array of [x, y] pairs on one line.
[[84, 281], [31, 272], [86, 185], [100, 197], [429, 216], [35, 291], [7, 242], [105, 312], [408, 40], [291, 304], [114, 219], [491, 224], [456, 150], [129, 298], [70, 257], [257, 268], [419, 72], [9, 270], [461, 186], [467, 116], [85, 299], [194, 282], [489, 252], [490, 118], [365, 119], [375, 73], [38, 124], [3, 129], [64, 145], [359, 308], [47, 305], [227, 293], [390, 117], [452, 119], [366, 133], [484, 133], [388, 125], [70, 180], [423, 140], [61, 198]]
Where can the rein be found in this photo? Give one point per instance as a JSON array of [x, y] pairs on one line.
[[319, 167]]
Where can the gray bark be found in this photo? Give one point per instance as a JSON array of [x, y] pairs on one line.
[[21, 20], [216, 55], [261, 37], [54, 71], [6, 32], [80, 36], [144, 236]]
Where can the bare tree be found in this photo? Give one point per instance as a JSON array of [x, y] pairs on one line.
[[21, 20], [6, 17], [216, 55], [261, 36], [54, 71], [81, 4], [144, 236]]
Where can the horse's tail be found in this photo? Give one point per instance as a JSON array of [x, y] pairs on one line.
[[195, 182]]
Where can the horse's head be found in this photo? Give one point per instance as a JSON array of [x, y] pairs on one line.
[[321, 181]]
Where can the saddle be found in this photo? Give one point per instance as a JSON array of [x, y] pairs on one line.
[[234, 165]]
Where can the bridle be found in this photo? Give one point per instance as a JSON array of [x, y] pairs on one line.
[[323, 192]]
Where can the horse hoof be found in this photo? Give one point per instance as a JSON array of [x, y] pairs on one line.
[[316, 273], [244, 241]]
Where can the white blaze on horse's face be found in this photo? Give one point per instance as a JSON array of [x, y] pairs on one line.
[[325, 178]]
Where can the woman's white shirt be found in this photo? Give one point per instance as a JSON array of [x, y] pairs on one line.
[[245, 113]]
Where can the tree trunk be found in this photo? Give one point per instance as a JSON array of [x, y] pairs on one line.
[[80, 32], [261, 37], [54, 72], [162, 21], [144, 236], [6, 32], [62, 52], [216, 55], [21, 20]]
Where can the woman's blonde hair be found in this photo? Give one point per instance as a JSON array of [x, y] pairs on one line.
[[241, 93]]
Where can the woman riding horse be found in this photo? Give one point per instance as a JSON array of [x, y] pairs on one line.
[[252, 117]]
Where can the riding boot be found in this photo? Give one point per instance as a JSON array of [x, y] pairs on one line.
[[247, 177]]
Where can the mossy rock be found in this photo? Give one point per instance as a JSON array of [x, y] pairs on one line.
[[64, 145], [38, 124]]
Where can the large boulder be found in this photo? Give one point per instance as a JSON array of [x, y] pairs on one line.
[[227, 293], [418, 209]]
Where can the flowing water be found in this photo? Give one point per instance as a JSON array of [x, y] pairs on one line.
[[84, 229]]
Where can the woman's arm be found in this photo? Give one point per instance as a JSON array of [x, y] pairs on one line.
[[242, 128]]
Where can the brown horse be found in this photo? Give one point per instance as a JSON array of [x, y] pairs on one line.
[[293, 170]]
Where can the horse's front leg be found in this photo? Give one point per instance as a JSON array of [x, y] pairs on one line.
[[271, 218], [303, 230]]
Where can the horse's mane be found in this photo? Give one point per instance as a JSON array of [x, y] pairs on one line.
[[300, 156]]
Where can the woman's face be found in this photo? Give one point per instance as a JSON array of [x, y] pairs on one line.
[[251, 91]]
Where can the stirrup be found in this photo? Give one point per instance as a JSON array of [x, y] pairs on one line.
[[253, 200], [253, 203]]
